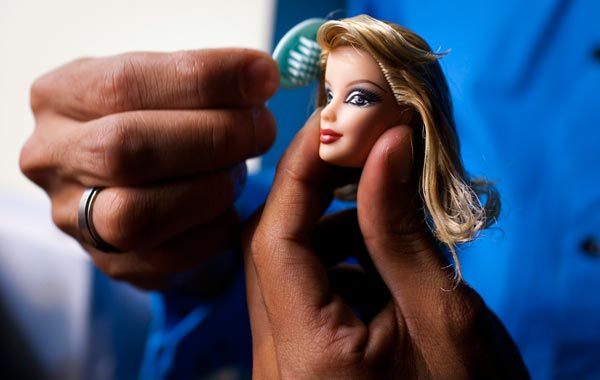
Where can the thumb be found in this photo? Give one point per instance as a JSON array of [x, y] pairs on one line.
[[389, 186], [391, 215]]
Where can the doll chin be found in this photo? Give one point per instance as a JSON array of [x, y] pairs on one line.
[[343, 161]]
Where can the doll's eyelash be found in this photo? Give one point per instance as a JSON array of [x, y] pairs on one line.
[[362, 97]]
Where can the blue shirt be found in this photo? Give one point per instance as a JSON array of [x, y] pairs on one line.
[[525, 78]]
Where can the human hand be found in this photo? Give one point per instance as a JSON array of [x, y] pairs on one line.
[[167, 136], [430, 327]]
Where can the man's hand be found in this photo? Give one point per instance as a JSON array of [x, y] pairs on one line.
[[167, 136], [304, 324]]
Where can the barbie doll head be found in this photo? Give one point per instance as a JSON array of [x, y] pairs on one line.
[[375, 75]]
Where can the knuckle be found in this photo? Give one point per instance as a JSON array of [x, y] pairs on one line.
[[126, 218], [220, 136], [63, 219], [327, 348], [33, 161], [185, 61], [201, 71], [186, 66], [44, 89], [113, 149], [27, 161], [39, 93], [120, 87], [230, 137]]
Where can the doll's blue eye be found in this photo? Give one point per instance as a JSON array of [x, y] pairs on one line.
[[362, 98], [329, 96]]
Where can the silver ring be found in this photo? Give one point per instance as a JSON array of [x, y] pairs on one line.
[[86, 223]]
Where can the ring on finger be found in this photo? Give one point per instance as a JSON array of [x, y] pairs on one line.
[[86, 222]]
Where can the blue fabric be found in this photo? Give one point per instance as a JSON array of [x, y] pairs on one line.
[[118, 325], [208, 340], [525, 77]]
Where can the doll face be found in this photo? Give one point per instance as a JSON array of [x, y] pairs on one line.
[[360, 107]]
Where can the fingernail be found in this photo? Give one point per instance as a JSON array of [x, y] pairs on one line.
[[401, 159], [260, 79], [239, 174], [265, 128]]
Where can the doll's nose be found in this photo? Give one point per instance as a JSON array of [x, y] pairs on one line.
[[328, 113]]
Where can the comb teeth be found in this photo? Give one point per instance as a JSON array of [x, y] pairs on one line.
[[303, 63], [298, 53], [312, 47]]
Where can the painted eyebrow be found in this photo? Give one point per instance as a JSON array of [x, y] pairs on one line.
[[358, 81], [367, 81]]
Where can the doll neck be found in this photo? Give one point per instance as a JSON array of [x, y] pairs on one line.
[[346, 193], [347, 184]]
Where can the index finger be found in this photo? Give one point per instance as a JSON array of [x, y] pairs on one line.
[[210, 78], [291, 278]]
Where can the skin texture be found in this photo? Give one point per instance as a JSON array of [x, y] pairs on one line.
[[167, 135], [360, 106], [426, 326]]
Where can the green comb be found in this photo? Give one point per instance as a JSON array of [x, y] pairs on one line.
[[297, 54]]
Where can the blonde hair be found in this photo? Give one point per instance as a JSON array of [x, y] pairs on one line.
[[452, 199]]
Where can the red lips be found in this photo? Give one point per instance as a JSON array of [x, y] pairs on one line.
[[329, 136]]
